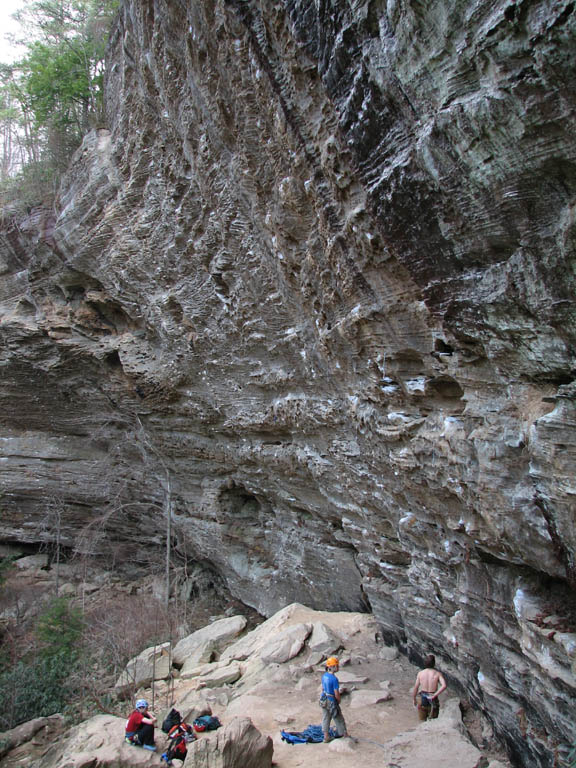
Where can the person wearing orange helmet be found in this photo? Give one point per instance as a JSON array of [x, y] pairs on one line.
[[330, 700]]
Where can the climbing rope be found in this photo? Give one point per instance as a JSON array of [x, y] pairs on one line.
[[371, 741]]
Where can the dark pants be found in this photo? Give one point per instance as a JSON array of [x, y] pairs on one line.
[[145, 735], [428, 709]]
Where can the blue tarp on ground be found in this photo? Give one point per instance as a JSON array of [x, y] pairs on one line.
[[311, 735]]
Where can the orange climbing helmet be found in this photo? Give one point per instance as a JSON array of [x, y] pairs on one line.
[[332, 661]]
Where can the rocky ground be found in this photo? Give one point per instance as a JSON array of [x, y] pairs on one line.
[[271, 674], [283, 695], [386, 732]]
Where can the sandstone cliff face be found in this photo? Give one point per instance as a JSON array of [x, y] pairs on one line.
[[314, 291]]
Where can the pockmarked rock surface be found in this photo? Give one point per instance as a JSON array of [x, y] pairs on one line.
[[312, 294]]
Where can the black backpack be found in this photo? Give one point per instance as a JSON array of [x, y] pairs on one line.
[[172, 718]]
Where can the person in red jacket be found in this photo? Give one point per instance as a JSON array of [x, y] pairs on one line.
[[140, 727]]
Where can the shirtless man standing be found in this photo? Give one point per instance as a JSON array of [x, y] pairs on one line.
[[429, 685]]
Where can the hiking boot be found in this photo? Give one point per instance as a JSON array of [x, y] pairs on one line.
[[149, 747]]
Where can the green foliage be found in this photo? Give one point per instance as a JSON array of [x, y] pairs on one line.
[[62, 72], [53, 94], [42, 685], [572, 757], [59, 630], [57, 85], [32, 185], [33, 690]]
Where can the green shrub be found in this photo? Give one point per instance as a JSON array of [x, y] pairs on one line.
[[34, 185], [33, 690], [59, 630], [40, 686]]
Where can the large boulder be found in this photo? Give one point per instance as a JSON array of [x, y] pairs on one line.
[[433, 741], [259, 641], [202, 644], [152, 664], [32, 562], [369, 698], [237, 744], [285, 645], [215, 675], [323, 640], [39, 729], [96, 743]]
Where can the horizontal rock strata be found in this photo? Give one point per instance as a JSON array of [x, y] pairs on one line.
[[313, 293]]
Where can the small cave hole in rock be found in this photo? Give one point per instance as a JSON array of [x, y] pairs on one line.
[[25, 308], [175, 309], [446, 387], [443, 348], [112, 359], [238, 503], [75, 291], [110, 314], [565, 13], [558, 378], [406, 362]]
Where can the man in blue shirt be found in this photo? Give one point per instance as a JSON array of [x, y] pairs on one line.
[[330, 700]]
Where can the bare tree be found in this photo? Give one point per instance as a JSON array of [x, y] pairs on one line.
[[51, 534]]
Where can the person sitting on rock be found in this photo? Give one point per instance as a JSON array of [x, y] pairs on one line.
[[330, 700], [429, 685], [140, 727]]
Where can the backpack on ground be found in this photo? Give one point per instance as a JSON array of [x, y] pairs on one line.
[[206, 723], [172, 718], [180, 736]]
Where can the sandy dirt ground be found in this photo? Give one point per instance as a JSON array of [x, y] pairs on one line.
[[286, 697], [371, 726]]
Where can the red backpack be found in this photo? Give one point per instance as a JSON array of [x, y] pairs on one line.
[[180, 736]]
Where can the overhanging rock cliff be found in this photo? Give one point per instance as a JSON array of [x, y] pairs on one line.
[[314, 292]]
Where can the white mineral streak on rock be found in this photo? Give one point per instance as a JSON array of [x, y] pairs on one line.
[[407, 364]]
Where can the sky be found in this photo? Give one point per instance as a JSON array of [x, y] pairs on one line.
[[7, 24]]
